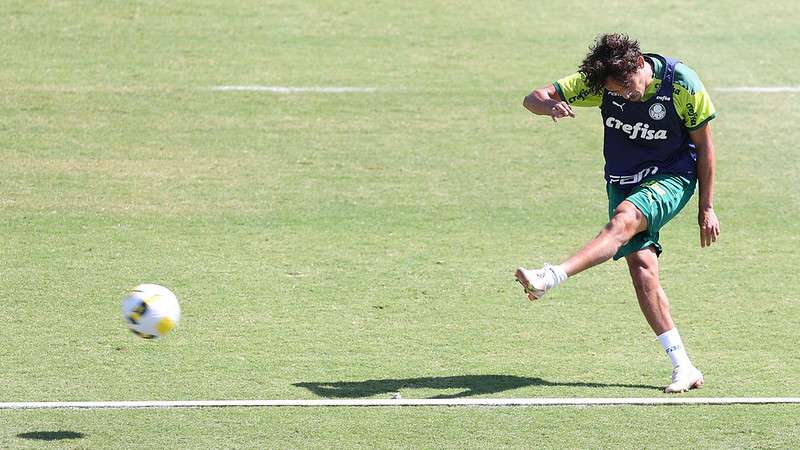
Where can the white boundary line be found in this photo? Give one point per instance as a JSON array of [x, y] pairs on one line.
[[647, 401], [761, 89], [292, 90]]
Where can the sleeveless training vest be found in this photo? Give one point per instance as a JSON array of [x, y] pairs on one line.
[[642, 139]]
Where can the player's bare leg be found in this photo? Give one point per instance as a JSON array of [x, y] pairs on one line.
[[626, 222], [643, 266]]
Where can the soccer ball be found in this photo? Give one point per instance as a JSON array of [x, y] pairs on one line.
[[150, 310]]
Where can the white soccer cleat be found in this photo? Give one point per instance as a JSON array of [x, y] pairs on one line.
[[684, 379], [533, 281]]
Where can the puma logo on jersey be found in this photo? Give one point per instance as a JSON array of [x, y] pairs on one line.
[[619, 104], [640, 130]]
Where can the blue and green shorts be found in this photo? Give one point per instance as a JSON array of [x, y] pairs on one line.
[[659, 198]]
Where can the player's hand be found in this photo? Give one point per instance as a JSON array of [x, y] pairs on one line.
[[561, 109], [709, 226]]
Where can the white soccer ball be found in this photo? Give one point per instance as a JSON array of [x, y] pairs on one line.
[[150, 310]]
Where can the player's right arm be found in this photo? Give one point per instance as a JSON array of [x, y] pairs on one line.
[[546, 101], [556, 100]]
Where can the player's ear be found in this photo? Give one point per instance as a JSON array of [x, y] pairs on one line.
[[640, 61]]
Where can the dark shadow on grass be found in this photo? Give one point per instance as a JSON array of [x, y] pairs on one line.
[[471, 385], [51, 435]]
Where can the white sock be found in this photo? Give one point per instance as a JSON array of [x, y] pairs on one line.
[[673, 345], [554, 275]]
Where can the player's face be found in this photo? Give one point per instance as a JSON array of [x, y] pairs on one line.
[[632, 88]]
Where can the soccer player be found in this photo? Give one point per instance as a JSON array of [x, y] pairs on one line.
[[657, 147]]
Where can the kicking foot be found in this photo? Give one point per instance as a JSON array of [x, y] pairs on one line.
[[533, 281], [684, 379]]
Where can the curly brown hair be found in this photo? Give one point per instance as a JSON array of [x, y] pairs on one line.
[[612, 55]]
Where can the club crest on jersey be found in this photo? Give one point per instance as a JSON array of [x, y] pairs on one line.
[[658, 111]]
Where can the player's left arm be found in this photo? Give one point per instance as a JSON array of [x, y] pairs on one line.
[[695, 107], [706, 166]]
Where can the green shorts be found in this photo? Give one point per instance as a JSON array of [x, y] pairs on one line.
[[659, 198]]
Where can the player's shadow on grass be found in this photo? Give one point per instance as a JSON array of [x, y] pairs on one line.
[[470, 385], [51, 435]]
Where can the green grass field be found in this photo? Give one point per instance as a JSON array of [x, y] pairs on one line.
[[360, 244]]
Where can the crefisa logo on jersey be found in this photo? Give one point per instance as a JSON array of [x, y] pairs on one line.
[[658, 111], [638, 130]]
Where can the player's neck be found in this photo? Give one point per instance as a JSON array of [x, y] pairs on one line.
[[649, 72]]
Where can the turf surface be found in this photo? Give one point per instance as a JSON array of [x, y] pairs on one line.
[[356, 245]]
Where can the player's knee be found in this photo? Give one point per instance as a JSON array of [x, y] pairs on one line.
[[642, 270], [625, 222]]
